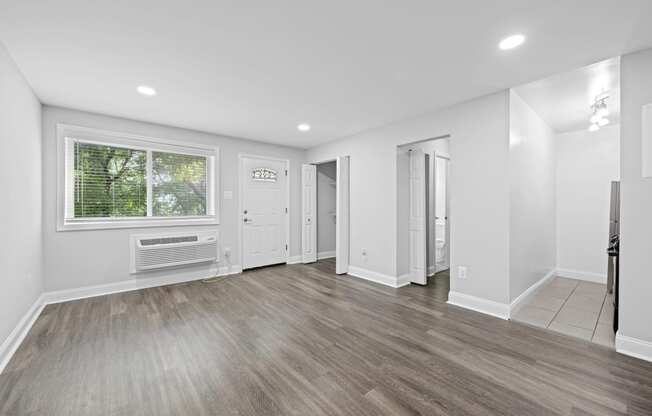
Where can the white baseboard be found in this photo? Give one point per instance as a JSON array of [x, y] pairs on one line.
[[16, 337], [437, 268], [634, 347], [582, 275], [524, 297], [486, 306], [403, 280], [66, 295], [325, 255], [294, 260], [383, 279]]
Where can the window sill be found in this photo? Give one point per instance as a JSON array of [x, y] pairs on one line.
[[121, 223]]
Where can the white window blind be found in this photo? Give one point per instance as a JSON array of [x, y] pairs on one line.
[[109, 181], [178, 184], [112, 180]]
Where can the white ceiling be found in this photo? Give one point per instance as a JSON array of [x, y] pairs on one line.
[[256, 69], [564, 100]]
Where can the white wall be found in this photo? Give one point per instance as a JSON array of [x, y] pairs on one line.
[[636, 202], [326, 204], [20, 211], [532, 240], [587, 162], [479, 203], [81, 258]]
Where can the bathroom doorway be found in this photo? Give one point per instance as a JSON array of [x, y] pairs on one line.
[[424, 214]]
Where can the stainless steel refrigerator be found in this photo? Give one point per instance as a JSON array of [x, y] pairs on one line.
[[613, 248], [614, 231]]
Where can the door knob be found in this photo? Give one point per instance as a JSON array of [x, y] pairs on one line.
[[245, 212], [247, 220]]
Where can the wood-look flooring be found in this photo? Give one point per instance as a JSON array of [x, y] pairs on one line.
[[298, 340]]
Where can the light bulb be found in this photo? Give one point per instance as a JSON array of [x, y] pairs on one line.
[[603, 122], [602, 111], [511, 42], [595, 118], [594, 127], [145, 90]]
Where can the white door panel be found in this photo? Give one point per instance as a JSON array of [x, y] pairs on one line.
[[417, 224], [342, 216], [441, 228], [308, 213], [264, 216]]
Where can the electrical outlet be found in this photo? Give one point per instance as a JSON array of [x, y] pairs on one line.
[[364, 251], [461, 272]]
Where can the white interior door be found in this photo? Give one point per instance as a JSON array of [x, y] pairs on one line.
[[417, 224], [309, 213], [342, 216], [264, 211], [441, 229]]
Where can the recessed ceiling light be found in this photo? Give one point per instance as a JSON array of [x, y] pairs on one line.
[[145, 90], [303, 127], [511, 42]]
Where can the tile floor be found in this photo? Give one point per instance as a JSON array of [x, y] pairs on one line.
[[572, 307]]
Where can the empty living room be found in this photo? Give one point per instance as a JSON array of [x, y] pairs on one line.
[[326, 208]]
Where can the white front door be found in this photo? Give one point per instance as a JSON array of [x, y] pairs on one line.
[[309, 213], [264, 211], [417, 225]]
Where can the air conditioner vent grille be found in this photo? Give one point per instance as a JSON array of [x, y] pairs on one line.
[[168, 240], [151, 252], [171, 256]]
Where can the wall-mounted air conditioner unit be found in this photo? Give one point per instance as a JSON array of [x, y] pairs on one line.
[[157, 251]]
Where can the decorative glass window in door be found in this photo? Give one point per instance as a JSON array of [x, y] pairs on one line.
[[263, 174]]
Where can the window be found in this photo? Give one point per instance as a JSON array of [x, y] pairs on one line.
[[113, 180]]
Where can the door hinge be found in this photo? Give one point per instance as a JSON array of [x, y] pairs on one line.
[[286, 172], [286, 210], [286, 247]]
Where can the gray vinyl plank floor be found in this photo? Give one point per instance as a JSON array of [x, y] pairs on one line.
[[299, 340]]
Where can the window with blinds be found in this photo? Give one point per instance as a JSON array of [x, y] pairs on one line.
[[109, 181], [178, 184], [114, 180]]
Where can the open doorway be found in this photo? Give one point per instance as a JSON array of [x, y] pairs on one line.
[[564, 152], [424, 214], [325, 215]]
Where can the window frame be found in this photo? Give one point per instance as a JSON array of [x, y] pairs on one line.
[[67, 135]]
